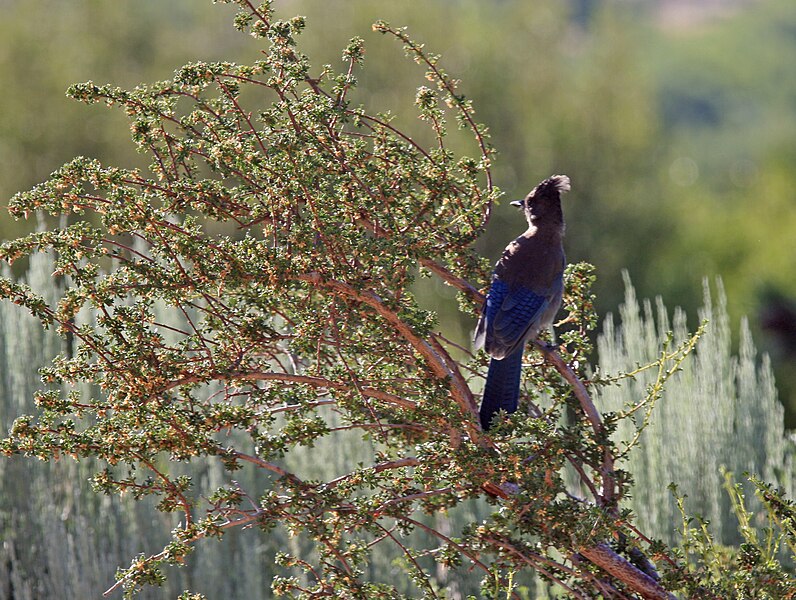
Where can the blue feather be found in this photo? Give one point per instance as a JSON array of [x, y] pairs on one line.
[[509, 316], [502, 391]]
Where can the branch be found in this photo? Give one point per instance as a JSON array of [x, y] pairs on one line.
[[458, 100], [460, 284], [604, 557], [608, 495], [264, 464], [437, 358], [411, 497], [470, 554], [601, 554], [418, 569], [535, 561], [250, 517]]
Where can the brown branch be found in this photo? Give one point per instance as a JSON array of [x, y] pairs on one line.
[[533, 559], [440, 362], [255, 460], [601, 554], [604, 557], [608, 495], [450, 88], [289, 407]]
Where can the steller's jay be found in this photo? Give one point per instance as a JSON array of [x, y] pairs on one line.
[[524, 297]]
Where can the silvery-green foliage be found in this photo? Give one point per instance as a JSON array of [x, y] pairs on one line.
[[719, 411]]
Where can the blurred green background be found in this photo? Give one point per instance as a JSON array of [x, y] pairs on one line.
[[676, 120]]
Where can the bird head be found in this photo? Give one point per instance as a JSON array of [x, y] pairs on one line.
[[543, 203]]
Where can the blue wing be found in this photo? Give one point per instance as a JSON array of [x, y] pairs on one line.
[[509, 314]]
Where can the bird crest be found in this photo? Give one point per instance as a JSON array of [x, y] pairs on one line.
[[557, 183]]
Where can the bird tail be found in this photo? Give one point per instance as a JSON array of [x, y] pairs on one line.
[[502, 389]]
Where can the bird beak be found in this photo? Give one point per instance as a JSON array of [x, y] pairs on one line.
[[517, 203]]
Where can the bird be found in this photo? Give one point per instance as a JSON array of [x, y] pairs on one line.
[[524, 295]]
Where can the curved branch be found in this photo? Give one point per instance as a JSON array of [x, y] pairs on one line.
[[264, 464], [608, 496], [437, 358], [460, 284], [604, 557]]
